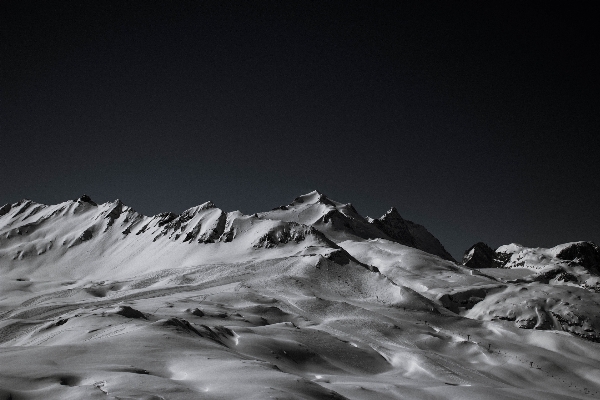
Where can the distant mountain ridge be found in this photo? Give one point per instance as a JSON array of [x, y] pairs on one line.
[[312, 223], [575, 262], [513, 255]]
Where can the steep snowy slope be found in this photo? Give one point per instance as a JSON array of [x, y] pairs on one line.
[[342, 222], [307, 301], [82, 239]]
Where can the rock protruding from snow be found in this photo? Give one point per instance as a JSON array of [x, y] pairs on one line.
[[396, 227], [341, 222], [410, 234], [583, 254], [480, 255], [5, 209], [129, 312], [586, 254], [575, 264], [87, 199], [284, 233]]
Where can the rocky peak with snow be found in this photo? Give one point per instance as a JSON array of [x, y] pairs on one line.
[[314, 197], [396, 227], [341, 222], [586, 254], [86, 199], [40, 233], [86, 221], [575, 263], [410, 234], [480, 255]]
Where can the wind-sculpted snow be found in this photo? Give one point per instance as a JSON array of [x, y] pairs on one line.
[[307, 301], [539, 306]]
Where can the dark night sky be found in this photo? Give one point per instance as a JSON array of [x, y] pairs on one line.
[[479, 121]]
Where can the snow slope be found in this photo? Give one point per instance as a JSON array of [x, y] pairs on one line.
[[307, 301]]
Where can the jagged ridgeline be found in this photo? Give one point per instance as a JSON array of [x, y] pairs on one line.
[[313, 223]]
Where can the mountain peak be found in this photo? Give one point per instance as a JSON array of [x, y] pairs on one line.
[[207, 205], [312, 198], [480, 255], [391, 213], [87, 199], [204, 206]]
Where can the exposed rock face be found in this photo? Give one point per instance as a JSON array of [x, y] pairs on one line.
[[5, 209], [24, 205], [396, 227], [198, 312], [573, 264], [586, 254], [341, 222], [480, 255], [114, 213], [284, 234], [465, 299], [410, 234], [86, 235], [129, 312], [87, 199]]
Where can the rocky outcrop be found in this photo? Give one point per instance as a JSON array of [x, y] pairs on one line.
[[465, 299], [288, 232], [396, 227], [86, 235], [5, 209], [341, 222], [586, 254], [87, 199], [410, 234], [129, 312], [480, 255], [113, 214], [25, 204]]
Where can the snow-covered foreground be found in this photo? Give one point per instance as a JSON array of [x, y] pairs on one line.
[[308, 301]]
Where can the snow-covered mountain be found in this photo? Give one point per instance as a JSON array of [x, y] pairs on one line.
[[308, 300], [81, 229], [576, 263], [342, 222]]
